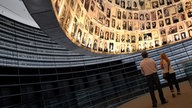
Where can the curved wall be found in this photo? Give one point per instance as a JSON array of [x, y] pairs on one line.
[[36, 72]]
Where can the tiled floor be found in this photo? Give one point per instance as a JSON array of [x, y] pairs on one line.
[[180, 101]]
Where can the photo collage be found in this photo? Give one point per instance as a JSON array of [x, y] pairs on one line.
[[124, 26]]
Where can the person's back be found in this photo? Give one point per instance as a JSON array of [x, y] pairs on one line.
[[149, 70]]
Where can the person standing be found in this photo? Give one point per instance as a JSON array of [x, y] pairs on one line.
[[149, 70], [168, 71]]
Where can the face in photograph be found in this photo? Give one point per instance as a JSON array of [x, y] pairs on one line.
[[167, 21], [154, 24], [147, 17], [162, 32], [176, 37], [180, 8], [107, 22], [190, 32], [161, 23], [175, 19], [166, 12], [160, 14], [129, 4], [148, 25], [119, 14], [155, 4], [183, 35], [113, 23], [142, 26], [141, 16], [106, 35], [123, 4], [135, 16], [97, 29], [133, 39], [161, 2], [169, 2], [188, 24], [130, 15]]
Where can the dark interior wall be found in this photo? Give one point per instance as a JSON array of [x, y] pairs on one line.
[[36, 72]]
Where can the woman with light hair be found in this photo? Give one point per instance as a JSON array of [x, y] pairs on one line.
[[169, 74]]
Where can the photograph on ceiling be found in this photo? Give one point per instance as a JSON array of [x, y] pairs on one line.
[[133, 39], [89, 42], [105, 47], [79, 35], [122, 4], [111, 47], [181, 26], [130, 25], [154, 25], [129, 4], [161, 2], [107, 23], [188, 23], [172, 10], [86, 22], [162, 32], [91, 27], [189, 13], [166, 12], [140, 37], [117, 39], [106, 35], [108, 14], [156, 43], [101, 34], [134, 4], [128, 38], [97, 29], [159, 14], [68, 21], [190, 32], [128, 48], [142, 25], [148, 25], [183, 35], [142, 4], [124, 25], [148, 4], [95, 44], [74, 27], [100, 47], [147, 36], [92, 6], [164, 40], [153, 15], [118, 25], [86, 5], [119, 14], [188, 5], [101, 17], [147, 16], [181, 16], [141, 16], [136, 16], [122, 38], [58, 4], [176, 37], [170, 38], [113, 23], [122, 48], [124, 16], [169, 2], [161, 23], [172, 29], [117, 2], [175, 19], [78, 11], [155, 4], [180, 8], [167, 21], [111, 36], [130, 16], [72, 4], [84, 39], [136, 25]]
